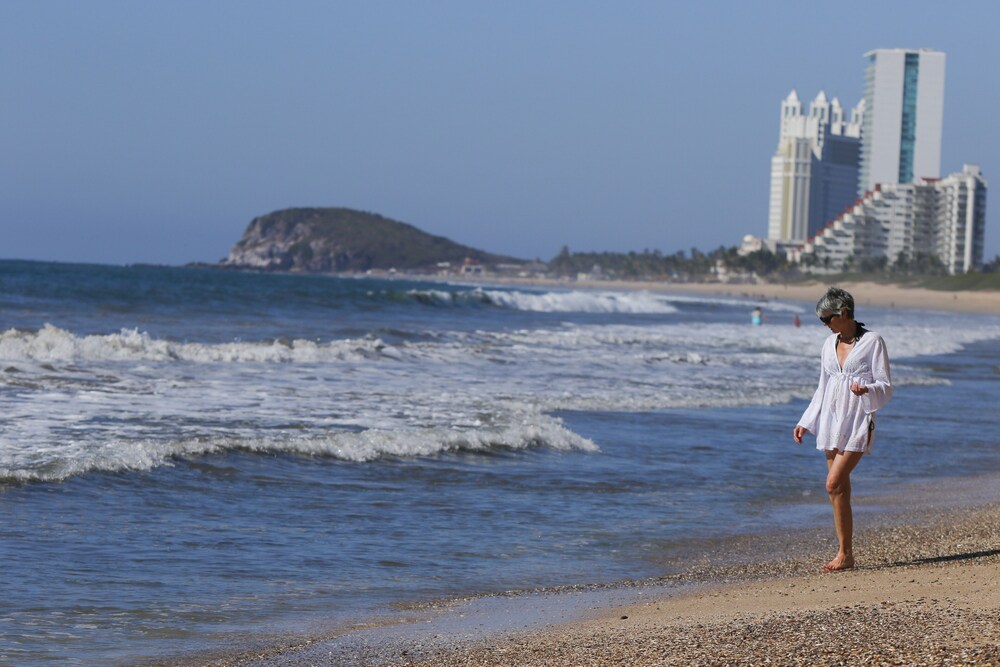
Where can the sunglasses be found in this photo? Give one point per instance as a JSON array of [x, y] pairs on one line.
[[825, 319]]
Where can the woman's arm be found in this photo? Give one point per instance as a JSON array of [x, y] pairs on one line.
[[880, 389], [810, 417]]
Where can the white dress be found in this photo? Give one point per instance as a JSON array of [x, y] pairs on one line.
[[838, 418]]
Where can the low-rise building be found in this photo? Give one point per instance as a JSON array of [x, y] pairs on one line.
[[942, 218]]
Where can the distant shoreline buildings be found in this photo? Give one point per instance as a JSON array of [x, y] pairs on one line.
[[814, 172], [900, 223], [865, 190]]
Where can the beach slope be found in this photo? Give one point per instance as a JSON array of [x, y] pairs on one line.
[[926, 595]]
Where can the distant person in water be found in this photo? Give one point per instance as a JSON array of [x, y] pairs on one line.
[[757, 317], [796, 322], [854, 382]]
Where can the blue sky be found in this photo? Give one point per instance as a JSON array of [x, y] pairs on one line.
[[155, 131]]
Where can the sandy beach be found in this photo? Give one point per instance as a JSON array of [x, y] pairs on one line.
[[865, 293], [925, 593]]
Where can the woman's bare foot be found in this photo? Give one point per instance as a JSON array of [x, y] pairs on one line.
[[839, 564]]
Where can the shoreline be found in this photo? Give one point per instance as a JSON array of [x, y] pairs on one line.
[[921, 595], [726, 600], [914, 613], [919, 572], [865, 293]]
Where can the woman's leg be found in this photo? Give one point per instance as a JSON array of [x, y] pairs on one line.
[[838, 485]]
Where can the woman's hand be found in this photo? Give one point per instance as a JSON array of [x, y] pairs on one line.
[[798, 433], [858, 389]]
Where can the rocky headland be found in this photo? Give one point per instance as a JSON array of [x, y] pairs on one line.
[[333, 240]]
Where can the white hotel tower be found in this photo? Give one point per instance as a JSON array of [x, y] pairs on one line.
[[899, 209], [814, 172], [904, 109]]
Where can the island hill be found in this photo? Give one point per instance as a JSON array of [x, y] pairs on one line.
[[342, 240]]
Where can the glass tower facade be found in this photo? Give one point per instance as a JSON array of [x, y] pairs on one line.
[[908, 126], [866, 126], [904, 106]]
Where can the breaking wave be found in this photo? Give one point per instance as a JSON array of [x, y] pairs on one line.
[[694, 343], [588, 301], [635, 303], [52, 344], [539, 431], [79, 403]]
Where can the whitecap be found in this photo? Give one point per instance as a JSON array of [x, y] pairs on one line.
[[57, 463]]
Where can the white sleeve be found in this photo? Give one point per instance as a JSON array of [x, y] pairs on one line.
[[880, 390], [810, 417]]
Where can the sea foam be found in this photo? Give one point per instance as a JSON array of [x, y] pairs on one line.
[[79, 457], [131, 401], [576, 301], [52, 344]]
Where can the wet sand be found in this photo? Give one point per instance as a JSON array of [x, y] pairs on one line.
[[925, 592]]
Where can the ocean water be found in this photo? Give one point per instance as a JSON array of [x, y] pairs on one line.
[[189, 458]]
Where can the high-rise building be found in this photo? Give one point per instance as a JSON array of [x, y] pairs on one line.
[[898, 210], [961, 220], [941, 218], [814, 171], [904, 109]]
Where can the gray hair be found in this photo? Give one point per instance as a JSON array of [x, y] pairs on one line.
[[834, 300]]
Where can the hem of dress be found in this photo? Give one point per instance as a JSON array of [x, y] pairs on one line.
[[862, 450]]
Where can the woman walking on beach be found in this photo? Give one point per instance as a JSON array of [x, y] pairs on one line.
[[854, 382]]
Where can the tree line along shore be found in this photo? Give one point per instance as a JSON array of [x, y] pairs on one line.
[[342, 240]]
